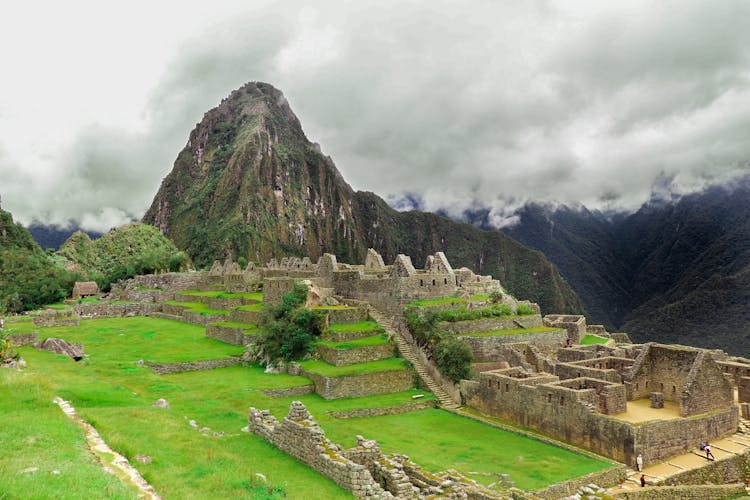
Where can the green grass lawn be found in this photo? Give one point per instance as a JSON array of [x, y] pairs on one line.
[[115, 395], [515, 331], [360, 326], [35, 433], [353, 344], [199, 307], [323, 368], [469, 447], [590, 339]]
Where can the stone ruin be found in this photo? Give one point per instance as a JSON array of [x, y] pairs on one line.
[[363, 470], [60, 346]]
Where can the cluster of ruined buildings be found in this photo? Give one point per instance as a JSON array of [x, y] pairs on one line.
[[584, 395]]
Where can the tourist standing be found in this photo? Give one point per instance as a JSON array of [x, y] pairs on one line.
[[708, 452], [639, 462]]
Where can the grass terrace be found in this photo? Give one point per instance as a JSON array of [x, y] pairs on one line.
[[114, 394], [323, 368], [361, 326], [516, 331], [353, 344], [332, 308], [198, 307], [590, 339], [220, 294], [440, 301]]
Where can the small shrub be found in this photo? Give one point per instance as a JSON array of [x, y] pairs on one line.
[[496, 296], [524, 310], [454, 358]]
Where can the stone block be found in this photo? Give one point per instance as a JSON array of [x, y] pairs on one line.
[[657, 400]]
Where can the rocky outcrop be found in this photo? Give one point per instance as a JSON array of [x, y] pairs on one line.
[[60, 346]]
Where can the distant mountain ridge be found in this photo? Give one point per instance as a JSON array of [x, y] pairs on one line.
[[249, 183], [52, 236], [671, 272]]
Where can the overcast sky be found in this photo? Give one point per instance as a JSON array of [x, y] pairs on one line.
[[460, 103]]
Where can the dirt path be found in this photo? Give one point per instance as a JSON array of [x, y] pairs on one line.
[[111, 461]]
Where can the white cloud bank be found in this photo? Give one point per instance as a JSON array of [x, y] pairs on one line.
[[594, 103]]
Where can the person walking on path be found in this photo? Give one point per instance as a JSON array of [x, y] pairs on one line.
[[639, 462], [708, 452], [643, 481]]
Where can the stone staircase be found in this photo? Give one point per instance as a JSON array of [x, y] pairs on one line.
[[405, 348]]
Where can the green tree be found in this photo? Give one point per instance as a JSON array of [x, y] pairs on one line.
[[288, 331], [454, 358]]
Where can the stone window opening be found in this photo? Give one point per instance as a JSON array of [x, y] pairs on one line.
[[674, 389], [433, 282], [421, 282], [549, 398], [507, 387], [661, 386], [445, 281], [562, 400]]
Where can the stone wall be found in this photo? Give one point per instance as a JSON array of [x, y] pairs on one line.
[[362, 470], [202, 319], [693, 492], [346, 336], [686, 375], [289, 392], [189, 366], [605, 478], [491, 324], [608, 368], [22, 339], [128, 289], [732, 469], [299, 436], [105, 310], [743, 389], [735, 369], [51, 317], [229, 335], [539, 402], [241, 316], [387, 410], [485, 349], [341, 357], [573, 324], [356, 386], [338, 314]]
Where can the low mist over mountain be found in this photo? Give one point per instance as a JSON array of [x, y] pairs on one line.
[[249, 183], [671, 272]]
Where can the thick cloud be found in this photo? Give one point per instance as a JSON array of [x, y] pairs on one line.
[[597, 103]]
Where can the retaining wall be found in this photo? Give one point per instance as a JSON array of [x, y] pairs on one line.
[[342, 357], [356, 386], [22, 339], [485, 349], [491, 324], [693, 492], [189, 366]]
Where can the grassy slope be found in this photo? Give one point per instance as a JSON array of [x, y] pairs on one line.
[[516, 331], [36, 433], [116, 395]]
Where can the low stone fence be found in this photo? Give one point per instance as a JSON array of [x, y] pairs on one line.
[[732, 469], [692, 492], [386, 410], [51, 317], [289, 392], [22, 339], [355, 386], [106, 310], [189, 366], [491, 324], [342, 357], [605, 479], [172, 309]]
